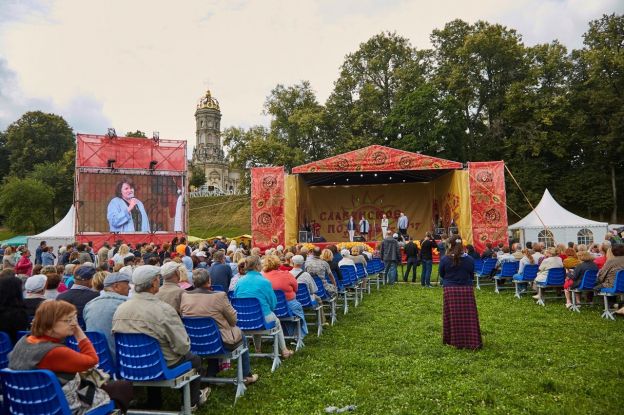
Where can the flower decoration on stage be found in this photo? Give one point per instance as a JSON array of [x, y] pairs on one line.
[[275, 239], [483, 237], [349, 245], [260, 203], [496, 199], [379, 158], [485, 176], [265, 219], [269, 182], [492, 215], [342, 164], [405, 162]]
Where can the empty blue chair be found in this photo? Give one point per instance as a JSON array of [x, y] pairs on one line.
[[37, 392], [218, 288], [349, 282], [206, 342], [554, 279], [327, 299], [508, 270], [251, 321], [478, 264], [5, 348], [529, 273], [285, 314], [486, 271], [140, 360], [617, 289], [362, 279], [304, 297], [587, 285]]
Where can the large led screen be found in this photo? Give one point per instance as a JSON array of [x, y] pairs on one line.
[[130, 203]]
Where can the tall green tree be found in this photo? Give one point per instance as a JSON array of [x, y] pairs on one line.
[[4, 155], [598, 95], [26, 205], [365, 92], [36, 138], [137, 133], [198, 176]]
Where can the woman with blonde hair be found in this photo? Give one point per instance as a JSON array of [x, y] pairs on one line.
[[8, 259], [574, 279], [551, 260], [97, 282], [605, 254], [184, 283]]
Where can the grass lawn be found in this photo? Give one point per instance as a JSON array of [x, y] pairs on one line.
[[387, 357]]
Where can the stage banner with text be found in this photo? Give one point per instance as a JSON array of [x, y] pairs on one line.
[[328, 208], [267, 206], [488, 203]]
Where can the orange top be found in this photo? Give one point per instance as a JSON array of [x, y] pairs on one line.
[[64, 359], [283, 280]]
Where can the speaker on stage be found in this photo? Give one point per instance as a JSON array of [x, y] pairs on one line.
[[359, 238]]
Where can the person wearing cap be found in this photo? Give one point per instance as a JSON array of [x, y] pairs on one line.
[[391, 256], [170, 292], [98, 313], [80, 292], [35, 287], [204, 302], [202, 258], [146, 314]]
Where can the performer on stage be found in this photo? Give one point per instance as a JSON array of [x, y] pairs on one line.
[[351, 228], [402, 224], [364, 228], [384, 226]]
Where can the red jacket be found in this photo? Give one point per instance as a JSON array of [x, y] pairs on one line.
[[24, 266]]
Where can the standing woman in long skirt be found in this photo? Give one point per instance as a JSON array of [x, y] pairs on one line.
[[461, 320]]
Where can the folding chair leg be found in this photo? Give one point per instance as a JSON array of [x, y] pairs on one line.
[[186, 393], [517, 294], [496, 286], [540, 301], [300, 344], [319, 317], [276, 358], [240, 380], [574, 307], [345, 303], [478, 286], [333, 312], [607, 313]]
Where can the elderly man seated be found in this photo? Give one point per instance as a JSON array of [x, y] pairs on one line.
[[99, 312], [170, 292], [145, 313], [35, 288], [203, 302], [80, 292]]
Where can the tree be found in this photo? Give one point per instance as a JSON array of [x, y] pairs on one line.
[[4, 155], [137, 133], [365, 93], [598, 94], [26, 205], [59, 177], [198, 177], [36, 138]]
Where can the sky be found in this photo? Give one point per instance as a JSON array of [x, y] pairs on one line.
[[134, 64]]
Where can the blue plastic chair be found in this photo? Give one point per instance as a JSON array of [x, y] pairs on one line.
[[587, 285], [305, 298], [218, 288], [140, 360], [327, 299], [362, 279], [206, 342], [617, 289], [37, 392], [251, 321], [508, 270], [284, 313], [486, 270], [529, 273], [5, 348], [554, 279], [101, 348], [349, 285]]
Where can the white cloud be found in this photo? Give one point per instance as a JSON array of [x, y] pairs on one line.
[[146, 63]]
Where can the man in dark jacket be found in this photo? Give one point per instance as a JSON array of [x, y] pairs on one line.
[[390, 255], [80, 293], [426, 258], [411, 252]]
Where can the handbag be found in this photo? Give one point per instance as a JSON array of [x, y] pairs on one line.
[[96, 376]]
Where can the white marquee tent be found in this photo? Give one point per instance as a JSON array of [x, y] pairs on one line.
[[551, 223], [60, 234]]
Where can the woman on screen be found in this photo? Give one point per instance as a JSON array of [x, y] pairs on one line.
[[125, 212]]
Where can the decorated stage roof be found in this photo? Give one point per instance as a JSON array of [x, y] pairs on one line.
[[375, 165]]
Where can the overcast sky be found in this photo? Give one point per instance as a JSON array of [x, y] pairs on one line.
[[144, 64]]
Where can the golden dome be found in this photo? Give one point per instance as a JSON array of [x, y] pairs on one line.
[[207, 101]]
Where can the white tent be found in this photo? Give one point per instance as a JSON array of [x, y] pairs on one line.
[[550, 223], [60, 234]]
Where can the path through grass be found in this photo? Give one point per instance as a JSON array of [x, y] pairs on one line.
[[387, 357]]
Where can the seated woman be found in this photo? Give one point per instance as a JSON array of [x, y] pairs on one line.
[[13, 314], [45, 349], [254, 285], [615, 263], [550, 260], [203, 302], [35, 288], [284, 280], [604, 253], [574, 280]]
